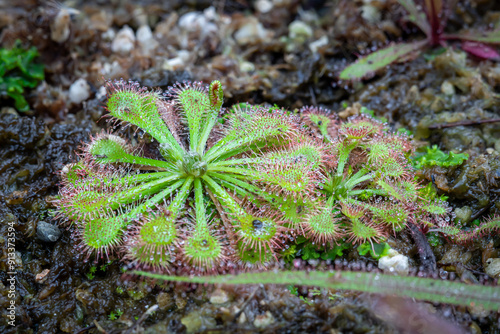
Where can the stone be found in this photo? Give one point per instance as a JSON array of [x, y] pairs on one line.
[[394, 263], [42, 276], [264, 320], [60, 25], [219, 296], [299, 31], [252, 32], [47, 232], [79, 91], [319, 43], [447, 88], [493, 267], [146, 40], [124, 41]]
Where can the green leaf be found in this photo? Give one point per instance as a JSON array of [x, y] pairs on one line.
[[141, 108], [435, 157], [113, 149], [336, 251], [309, 252], [17, 72], [366, 66], [376, 252]]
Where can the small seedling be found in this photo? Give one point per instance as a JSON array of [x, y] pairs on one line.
[[19, 71]]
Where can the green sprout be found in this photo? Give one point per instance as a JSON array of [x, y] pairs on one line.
[[91, 274], [17, 72], [435, 157], [114, 315]]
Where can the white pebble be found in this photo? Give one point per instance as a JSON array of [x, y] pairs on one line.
[[108, 35], [124, 41], [394, 263], [263, 6], [299, 30], [264, 320], [192, 21], [370, 13], [314, 46], [79, 91], [101, 93], [252, 32], [176, 62], [145, 39]]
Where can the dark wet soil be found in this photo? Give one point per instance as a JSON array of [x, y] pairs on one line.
[[78, 296]]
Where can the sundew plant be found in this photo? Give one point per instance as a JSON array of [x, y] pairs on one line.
[[209, 190], [370, 190], [205, 201]]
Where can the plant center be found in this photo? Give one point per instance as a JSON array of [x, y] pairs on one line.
[[194, 165]]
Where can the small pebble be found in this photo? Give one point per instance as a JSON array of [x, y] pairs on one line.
[[42, 276], [319, 43], [394, 263], [124, 41], [447, 88], [299, 31], [79, 91], [252, 32], [370, 13], [146, 41], [60, 26], [164, 301], [264, 320], [219, 296], [192, 21], [493, 267], [263, 6], [47, 232], [196, 322]]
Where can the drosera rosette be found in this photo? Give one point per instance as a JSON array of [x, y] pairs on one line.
[[370, 188], [197, 205]]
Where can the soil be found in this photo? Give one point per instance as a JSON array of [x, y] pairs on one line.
[[248, 46]]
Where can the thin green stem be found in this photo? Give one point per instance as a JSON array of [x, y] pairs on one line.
[[178, 203], [233, 179], [136, 160], [144, 189], [235, 170], [343, 155], [155, 199], [205, 133], [367, 191], [201, 217], [232, 162], [223, 196], [140, 178], [357, 178]]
